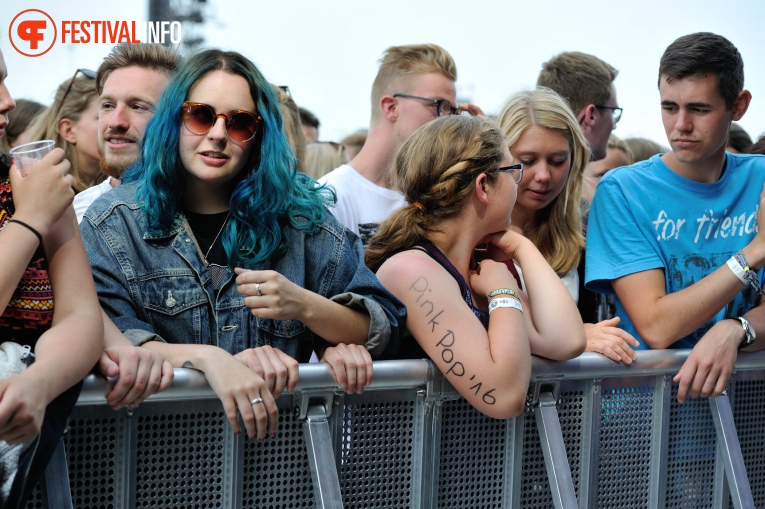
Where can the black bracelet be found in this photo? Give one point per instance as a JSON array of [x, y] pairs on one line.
[[25, 225]]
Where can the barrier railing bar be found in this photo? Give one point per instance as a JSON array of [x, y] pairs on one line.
[[728, 445], [554, 450], [662, 395], [588, 470], [55, 483], [321, 459]]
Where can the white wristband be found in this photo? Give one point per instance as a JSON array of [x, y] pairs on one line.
[[737, 269], [505, 303]]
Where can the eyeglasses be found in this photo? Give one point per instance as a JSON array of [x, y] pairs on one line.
[[443, 107], [199, 118], [85, 72], [515, 171], [617, 112]]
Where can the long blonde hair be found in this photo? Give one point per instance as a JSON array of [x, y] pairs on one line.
[[557, 229], [435, 170], [77, 100]]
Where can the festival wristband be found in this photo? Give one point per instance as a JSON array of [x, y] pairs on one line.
[[505, 303], [504, 291], [737, 269]]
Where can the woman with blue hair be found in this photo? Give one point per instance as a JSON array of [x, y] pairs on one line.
[[217, 253]]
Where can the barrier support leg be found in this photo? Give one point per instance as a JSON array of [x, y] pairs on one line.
[[321, 459], [730, 449], [55, 482], [551, 437]]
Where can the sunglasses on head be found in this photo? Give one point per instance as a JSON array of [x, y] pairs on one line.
[[85, 72], [199, 118]]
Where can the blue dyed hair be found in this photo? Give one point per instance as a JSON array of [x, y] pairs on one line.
[[270, 194]]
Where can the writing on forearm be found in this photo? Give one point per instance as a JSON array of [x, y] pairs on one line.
[[446, 338]]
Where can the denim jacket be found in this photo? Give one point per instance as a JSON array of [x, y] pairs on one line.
[[158, 284]]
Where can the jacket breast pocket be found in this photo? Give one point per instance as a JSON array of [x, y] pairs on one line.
[[289, 336], [172, 295]]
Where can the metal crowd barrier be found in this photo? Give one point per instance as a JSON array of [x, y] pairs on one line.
[[594, 434]]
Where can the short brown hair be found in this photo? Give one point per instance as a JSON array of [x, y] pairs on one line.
[[400, 64], [149, 56], [579, 78]]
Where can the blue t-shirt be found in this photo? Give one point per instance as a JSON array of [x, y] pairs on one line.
[[646, 216]]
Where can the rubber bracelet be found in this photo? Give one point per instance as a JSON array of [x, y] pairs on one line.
[[25, 225], [504, 291], [505, 303]]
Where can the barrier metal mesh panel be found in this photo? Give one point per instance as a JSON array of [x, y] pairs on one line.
[[179, 454], [90, 443], [691, 454], [624, 459], [472, 458], [535, 486], [377, 450], [276, 471], [749, 416]]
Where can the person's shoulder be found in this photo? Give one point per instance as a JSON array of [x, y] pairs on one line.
[[338, 175], [115, 198], [409, 265], [747, 162]]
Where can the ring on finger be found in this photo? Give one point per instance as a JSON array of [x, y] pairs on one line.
[[256, 401], [257, 289]]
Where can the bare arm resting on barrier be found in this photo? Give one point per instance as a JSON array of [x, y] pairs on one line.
[[490, 369], [237, 383], [554, 326], [139, 372], [662, 319], [65, 352]]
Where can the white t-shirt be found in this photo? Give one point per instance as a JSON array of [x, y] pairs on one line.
[[83, 200], [361, 205]]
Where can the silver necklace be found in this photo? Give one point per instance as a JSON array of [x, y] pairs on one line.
[[216, 238]]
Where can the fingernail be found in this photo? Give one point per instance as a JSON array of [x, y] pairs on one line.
[[260, 439], [273, 434]]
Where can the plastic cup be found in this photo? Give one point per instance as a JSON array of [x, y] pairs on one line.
[[28, 155]]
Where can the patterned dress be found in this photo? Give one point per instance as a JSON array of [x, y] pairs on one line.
[[30, 310]]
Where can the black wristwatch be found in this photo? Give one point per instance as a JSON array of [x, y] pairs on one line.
[[749, 334]]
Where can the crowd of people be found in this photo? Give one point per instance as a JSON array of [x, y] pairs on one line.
[[191, 217]]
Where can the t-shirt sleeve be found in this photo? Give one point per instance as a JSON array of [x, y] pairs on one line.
[[618, 244]]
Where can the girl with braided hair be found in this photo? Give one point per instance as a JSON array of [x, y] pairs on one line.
[[471, 319]]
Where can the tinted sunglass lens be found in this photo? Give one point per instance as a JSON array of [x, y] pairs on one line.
[[202, 119], [241, 126]]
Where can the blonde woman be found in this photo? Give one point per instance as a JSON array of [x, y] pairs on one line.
[[471, 319], [544, 136], [72, 122]]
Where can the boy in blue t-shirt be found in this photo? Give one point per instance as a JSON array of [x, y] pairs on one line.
[[676, 237]]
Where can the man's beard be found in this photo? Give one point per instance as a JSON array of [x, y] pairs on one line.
[[115, 169]]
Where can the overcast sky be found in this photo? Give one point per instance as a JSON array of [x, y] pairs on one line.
[[327, 52]]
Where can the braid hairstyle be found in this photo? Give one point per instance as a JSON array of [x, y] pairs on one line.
[[435, 170], [270, 194]]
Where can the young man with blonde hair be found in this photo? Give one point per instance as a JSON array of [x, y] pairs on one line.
[[587, 83], [414, 84], [130, 81]]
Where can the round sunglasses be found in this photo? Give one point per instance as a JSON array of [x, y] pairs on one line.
[[199, 118]]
